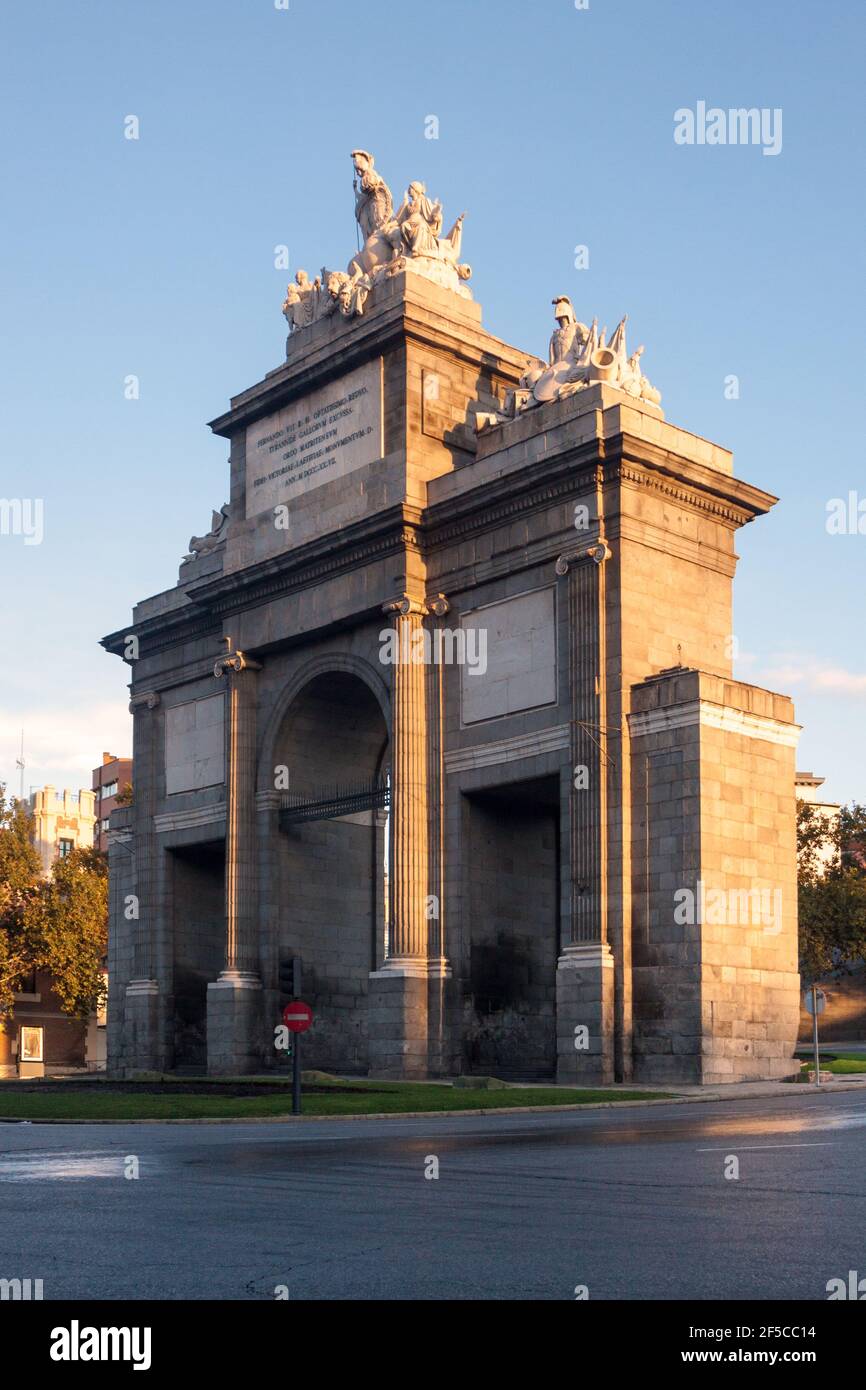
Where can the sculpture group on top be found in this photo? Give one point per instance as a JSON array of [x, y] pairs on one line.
[[579, 356], [393, 241]]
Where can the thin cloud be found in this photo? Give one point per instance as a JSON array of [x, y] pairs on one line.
[[813, 675], [62, 743]]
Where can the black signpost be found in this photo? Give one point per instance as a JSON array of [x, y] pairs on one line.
[[297, 1016]]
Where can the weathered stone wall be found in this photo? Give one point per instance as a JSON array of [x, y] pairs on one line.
[[510, 938], [197, 897], [713, 839]]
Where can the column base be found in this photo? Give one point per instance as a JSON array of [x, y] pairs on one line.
[[142, 1050], [415, 967], [584, 1015], [398, 1017], [234, 1024]]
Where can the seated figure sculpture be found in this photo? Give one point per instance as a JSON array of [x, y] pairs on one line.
[[581, 357]]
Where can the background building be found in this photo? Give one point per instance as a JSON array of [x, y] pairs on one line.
[[108, 781], [62, 821], [807, 784], [68, 1044]]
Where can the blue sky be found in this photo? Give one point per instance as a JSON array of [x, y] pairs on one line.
[[155, 258]]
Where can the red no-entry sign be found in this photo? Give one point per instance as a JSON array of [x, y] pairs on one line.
[[297, 1016]]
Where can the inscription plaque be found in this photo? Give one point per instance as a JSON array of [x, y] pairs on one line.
[[324, 436]]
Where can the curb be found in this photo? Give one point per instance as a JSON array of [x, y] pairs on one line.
[[825, 1089]]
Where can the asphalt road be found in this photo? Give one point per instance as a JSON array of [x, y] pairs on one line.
[[631, 1202]]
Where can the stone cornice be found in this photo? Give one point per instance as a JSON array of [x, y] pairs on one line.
[[711, 506], [335, 346], [705, 489], [166, 630], [618, 462], [388, 533], [190, 819], [708, 715], [573, 474], [321, 559], [508, 496]]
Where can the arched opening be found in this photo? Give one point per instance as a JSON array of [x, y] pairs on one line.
[[330, 858]]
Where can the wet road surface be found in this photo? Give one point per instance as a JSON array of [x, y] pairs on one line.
[[632, 1202]]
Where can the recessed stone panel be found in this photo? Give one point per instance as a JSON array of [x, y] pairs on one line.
[[195, 745], [510, 656]]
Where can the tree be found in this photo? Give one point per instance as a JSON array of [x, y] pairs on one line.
[[20, 879], [67, 924], [58, 925], [831, 896], [20, 865]]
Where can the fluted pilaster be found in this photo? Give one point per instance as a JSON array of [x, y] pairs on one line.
[[584, 568], [241, 947], [409, 869], [144, 753]]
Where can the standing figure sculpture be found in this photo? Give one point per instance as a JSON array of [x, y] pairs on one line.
[[374, 213], [301, 302], [562, 340], [374, 205]]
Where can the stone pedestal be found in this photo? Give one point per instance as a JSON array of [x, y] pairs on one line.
[[142, 1050], [584, 1001], [717, 992], [398, 1020], [234, 1024]]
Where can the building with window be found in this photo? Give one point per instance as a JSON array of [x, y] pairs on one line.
[[39, 1036], [807, 788], [62, 821], [108, 782], [39, 1031]]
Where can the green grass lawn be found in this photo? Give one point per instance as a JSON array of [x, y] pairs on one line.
[[839, 1063], [363, 1098]]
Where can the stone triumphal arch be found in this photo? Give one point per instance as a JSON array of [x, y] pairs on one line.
[[443, 707]]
